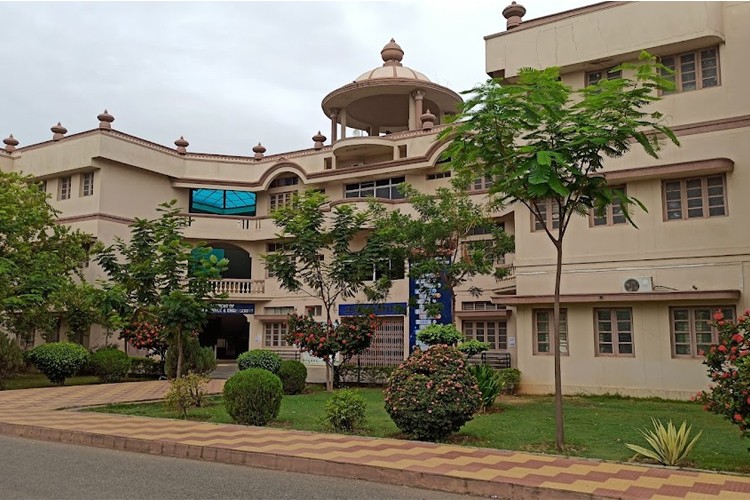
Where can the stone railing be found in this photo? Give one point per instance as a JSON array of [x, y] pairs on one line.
[[234, 287]]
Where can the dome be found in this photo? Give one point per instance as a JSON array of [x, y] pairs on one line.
[[392, 55]]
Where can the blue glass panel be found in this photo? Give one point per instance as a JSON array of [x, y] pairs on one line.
[[222, 202]]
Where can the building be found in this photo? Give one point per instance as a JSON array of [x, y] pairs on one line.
[[637, 301]]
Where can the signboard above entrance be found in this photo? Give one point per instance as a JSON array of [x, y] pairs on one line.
[[381, 309], [233, 309]]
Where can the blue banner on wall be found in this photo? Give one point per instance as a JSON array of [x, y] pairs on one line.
[[384, 309], [423, 291], [224, 308]]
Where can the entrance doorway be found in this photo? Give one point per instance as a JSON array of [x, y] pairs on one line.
[[228, 334]]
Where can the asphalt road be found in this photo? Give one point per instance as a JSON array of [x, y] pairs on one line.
[[40, 470]]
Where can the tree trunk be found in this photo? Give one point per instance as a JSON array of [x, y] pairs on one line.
[[179, 353], [329, 374], [559, 428]]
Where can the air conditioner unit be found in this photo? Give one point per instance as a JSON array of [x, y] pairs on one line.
[[635, 285]]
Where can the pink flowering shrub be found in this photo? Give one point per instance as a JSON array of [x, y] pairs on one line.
[[351, 337], [145, 335], [729, 369], [431, 395]]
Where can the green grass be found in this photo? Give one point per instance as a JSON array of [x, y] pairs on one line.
[[35, 380], [596, 426]]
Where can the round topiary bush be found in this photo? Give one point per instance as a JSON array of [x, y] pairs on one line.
[[59, 360], [431, 395], [110, 364], [253, 396], [259, 358], [293, 375]]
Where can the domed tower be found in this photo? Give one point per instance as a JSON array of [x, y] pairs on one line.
[[389, 98]]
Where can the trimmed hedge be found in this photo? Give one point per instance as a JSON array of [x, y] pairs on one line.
[[59, 360], [110, 364], [253, 396], [260, 358], [293, 375]]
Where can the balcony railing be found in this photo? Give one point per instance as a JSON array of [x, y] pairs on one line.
[[235, 287]]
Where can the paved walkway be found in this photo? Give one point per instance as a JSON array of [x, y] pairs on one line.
[[33, 413]]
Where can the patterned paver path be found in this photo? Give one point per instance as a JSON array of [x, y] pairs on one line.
[[35, 413]]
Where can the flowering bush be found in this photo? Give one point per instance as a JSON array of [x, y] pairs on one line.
[[145, 335], [431, 395], [728, 365]]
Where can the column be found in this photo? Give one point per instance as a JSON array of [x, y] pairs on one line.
[[334, 114], [342, 121], [418, 107], [259, 341]]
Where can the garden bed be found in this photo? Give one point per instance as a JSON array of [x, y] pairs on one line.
[[596, 426], [36, 380]]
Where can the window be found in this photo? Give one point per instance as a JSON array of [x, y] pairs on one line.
[[486, 229], [394, 269], [612, 214], [383, 188], [87, 184], [279, 200], [222, 202], [543, 331], [695, 198], [593, 77], [402, 151], [481, 306], [274, 334], [692, 332], [328, 163], [481, 184], [495, 333], [43, 186], [694, 70], [64, 188], [314, 310], [439, 175], [279, 310], [614, 332], [549, 211], [283, 182], [277, 247]]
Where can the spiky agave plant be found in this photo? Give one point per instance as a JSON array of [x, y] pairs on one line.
[[670, 446]]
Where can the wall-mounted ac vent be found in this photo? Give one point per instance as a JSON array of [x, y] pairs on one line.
[[635, 285]]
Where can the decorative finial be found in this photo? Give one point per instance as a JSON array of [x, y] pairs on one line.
[[392, 54], [58, 131], [105, 120], [319, 139], [10, 143], [428, 120], [513, 13], [259, 150], [181, 144]]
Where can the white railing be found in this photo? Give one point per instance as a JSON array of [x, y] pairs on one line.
[[233, 287]]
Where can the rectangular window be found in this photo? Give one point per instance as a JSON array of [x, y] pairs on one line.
[[283, 182], [402, 151], [276, 247], [593, 77], [274, 334], [314, 310], [481, 306], [43, 186], [63, 192], [394, 269], [485, 229], [481, 184], [549, 211], [87, 184], [612, 214], [279, 310], [383, 188], [697, 198], [543, 331], [439, 175], [692, 330], [222, 202], [494, 332], [614, 332], [279, 200], [694, 70]]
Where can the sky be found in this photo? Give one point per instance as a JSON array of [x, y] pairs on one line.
[[226, 75]]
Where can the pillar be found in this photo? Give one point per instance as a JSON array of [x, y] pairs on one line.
[[418, 107], [334, 114], [342, 122], [259, 340]]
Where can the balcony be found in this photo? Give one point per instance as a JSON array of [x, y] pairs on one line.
[[217, 227], [239, 288]]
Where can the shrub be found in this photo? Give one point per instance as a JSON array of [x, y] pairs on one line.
[[488, 380], [185, 392], [59, 360], [196, 359], [260, 358], [728, 365], [431, 394], [145, 367], [110, 365], [253, 396], [440, 334], [293, 375], [473, 347], [669, 446], [11, 359], [510, 379], [375, 375], [345, 411]]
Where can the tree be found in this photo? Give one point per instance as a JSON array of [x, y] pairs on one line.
[[318, 256], [541, 142], [166, 280], [38, 257], [78, 307], [438, 241]]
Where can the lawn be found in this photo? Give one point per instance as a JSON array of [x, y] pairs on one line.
[[35, 380], [596, 426]]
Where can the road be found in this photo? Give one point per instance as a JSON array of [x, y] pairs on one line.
[[42, 470]]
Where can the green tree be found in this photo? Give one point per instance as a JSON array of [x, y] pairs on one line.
[[78, 307], [538, 140], [164, 278], [319, 257], [38, 257], [439, 241]]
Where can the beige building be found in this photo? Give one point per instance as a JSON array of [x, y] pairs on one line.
[[637, 301]]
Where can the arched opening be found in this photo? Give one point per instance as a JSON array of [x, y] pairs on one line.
[[240, 262]]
